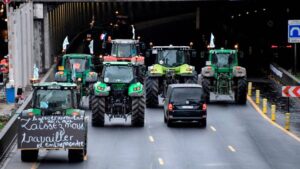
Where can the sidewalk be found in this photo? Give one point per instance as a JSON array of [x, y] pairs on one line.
[[272, 92]]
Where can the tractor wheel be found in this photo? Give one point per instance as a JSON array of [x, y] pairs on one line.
[[98, 111], [192, 80], [152, 92], [241, 91], [29, 155], [206, 89], [91, 95], [138, 111], [76, 155]]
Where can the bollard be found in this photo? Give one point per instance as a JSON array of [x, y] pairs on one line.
[[273, 112], [265, 105], [250, 89], [257, 96], [287, 121]]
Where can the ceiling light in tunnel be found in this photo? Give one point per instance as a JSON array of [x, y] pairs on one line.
[[255, 11], [247, 13], [232, 17], [117, 12], [264, 9], [240, 14]]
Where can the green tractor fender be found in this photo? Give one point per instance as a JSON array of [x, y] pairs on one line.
[[75, 112], [31, 112], [186, 70], [101, 89], [156, 70], [136, 90]]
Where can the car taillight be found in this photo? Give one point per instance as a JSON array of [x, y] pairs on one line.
[[204, 107], [170, 107]]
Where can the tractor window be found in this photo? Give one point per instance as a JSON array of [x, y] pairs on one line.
[[53, 99], [124, 50], [222, 59], [172, 58], [79, 65], [118, 74]]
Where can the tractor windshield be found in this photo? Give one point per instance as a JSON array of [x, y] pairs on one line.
[[172, 58], [118, 74], [79, 65], [124, 50], [53, 99], [222, 59]]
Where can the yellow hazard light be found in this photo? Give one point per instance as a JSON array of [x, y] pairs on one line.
[[61, 68]]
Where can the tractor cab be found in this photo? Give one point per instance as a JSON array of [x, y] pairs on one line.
[[125, 50]]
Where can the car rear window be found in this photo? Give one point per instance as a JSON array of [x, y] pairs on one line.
[[186, 93]]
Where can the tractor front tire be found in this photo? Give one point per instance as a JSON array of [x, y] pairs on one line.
[[138, 112], [91, 95], [241, 91], [98, 111], [152, 92], [29, 155], [206, 89]]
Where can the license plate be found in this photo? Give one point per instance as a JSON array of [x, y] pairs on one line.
[[187, 107]]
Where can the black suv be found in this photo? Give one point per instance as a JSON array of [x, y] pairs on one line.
[[185, 102]]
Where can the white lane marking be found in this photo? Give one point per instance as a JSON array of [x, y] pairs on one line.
[[212, 128], [151, 138], [161, 161], [231, 148]]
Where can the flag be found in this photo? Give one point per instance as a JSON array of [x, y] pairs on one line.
[[133, 32], [91, 46], [35, 72], [212, 41], [65, 43], [102, 36], [73, 73]]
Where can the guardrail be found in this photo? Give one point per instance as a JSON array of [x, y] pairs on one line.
[[283, 76], [9, 133]]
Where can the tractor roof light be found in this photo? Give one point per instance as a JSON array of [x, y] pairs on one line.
[[236, 46]]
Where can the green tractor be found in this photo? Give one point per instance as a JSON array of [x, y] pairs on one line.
[[223, 76], [77, 68], [171, 66], [53, 122], [118, 94]]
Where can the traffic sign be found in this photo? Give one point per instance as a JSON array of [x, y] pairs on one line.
[[294, 31], [6, 1], [290, 91]]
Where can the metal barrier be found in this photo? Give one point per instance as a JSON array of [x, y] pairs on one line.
[[283, 76], [9, 132]]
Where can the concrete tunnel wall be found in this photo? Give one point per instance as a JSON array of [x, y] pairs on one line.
[[59, 20]]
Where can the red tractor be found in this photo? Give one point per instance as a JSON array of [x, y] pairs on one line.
[[127, 50]]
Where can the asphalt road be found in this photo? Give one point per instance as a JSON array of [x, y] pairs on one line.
[[236, 137]]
